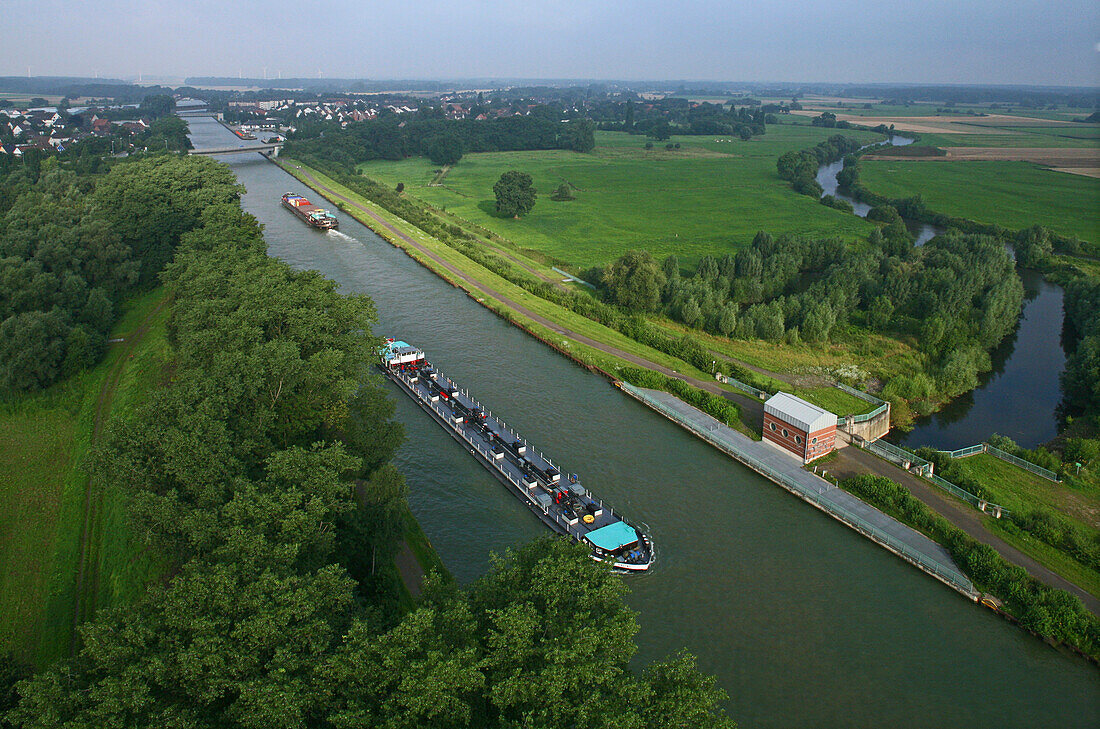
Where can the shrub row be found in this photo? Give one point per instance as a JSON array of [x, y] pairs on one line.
[[1051, 613]]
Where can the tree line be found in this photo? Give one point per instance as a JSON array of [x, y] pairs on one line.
[[73, 246], [261, 470], [800, 168], [442, 140], [958, 296]]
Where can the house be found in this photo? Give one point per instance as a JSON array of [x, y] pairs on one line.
[[101, 126], [799, 427]]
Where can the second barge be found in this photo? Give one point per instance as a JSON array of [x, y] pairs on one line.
[[563, 504]]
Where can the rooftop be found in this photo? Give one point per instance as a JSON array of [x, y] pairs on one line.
[[796, 411]]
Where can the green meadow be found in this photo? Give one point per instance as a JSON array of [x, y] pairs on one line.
[[52, 517], [1012, 194], [711, 196]]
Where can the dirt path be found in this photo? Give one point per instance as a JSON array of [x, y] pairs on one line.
[[412, 574], [103, 408], [852, 461], [472, 283]]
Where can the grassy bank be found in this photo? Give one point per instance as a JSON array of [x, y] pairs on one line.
[[1015, 195], [1051, 613], [46, 497], [473, 275], [708, 197], [1055, 523]]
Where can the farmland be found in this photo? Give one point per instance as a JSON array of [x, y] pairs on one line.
[[1012, 194], [51, 517], [711, 196]]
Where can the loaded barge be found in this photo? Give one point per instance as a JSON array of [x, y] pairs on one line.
[[563, 504], [314, 216]]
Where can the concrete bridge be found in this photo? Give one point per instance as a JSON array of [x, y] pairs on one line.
[[273, 149]]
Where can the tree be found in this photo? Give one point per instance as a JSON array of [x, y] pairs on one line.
[[563, 193], [514, 194], [635, 280], [445, 149], [157, 105], [660, 131]]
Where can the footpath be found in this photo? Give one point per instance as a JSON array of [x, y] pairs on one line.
[[854, 461]]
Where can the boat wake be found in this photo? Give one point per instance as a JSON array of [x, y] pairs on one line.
[[337, 234]]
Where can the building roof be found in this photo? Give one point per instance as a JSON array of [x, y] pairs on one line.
[[614, 535], [798, 412]]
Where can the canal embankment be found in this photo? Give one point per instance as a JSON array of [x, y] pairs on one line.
[[556, 326], [785, 471], [802, 621]]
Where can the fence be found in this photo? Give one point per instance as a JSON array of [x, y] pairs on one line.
[[754, 391], [712, 434], [891, 452], [859, 393], [1026, 465], [964, 452]]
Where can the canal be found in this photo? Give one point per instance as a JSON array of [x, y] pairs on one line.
[[1020, 395], [804, 622]]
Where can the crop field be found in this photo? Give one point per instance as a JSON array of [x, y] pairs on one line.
[[1012, 194], [709, 197], [45, 440]]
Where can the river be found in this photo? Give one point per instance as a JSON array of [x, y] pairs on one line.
[[804, 622], [1020, 396]]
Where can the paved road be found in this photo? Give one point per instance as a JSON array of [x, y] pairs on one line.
[[853, 461]]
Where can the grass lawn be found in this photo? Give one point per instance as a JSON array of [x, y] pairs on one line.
[[709, 197], [1020, 490], [1012, 194], [44, 441]]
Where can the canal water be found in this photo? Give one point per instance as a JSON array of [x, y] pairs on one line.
[[1020, 396], [804, 622]]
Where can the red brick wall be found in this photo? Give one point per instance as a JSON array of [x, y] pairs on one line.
[[826, 438]]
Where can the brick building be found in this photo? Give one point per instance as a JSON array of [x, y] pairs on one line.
[[799, 427]]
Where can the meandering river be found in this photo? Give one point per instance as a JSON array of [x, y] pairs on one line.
[[804, 622], [1019, 397]]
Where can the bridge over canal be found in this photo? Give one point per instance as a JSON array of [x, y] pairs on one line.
[[272, 149]]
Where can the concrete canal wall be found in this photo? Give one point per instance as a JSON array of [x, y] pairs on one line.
[[787, 471]]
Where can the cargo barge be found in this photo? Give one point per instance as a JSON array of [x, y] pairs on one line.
[[560, 502], [314, 216]]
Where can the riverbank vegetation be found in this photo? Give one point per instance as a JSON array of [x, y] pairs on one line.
[[1051, 613], [1014, 195], [248, 470]]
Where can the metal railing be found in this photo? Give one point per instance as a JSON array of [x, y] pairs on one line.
[[754, 391], [893, 453], [859, 393], [1026, 465], [946, 573], [964, 452]]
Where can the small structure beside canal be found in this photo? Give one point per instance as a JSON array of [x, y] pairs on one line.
[[799, 427]]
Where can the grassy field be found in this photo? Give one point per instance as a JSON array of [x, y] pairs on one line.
[[44, 442], [709, 197], [1019, 490], [1012, 194]]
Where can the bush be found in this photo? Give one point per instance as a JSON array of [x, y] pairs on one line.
[[1051, 613]]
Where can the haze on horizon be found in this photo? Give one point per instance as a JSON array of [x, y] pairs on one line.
[[856, 41]]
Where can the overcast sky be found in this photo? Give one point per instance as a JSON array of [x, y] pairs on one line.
[[923, 41]]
